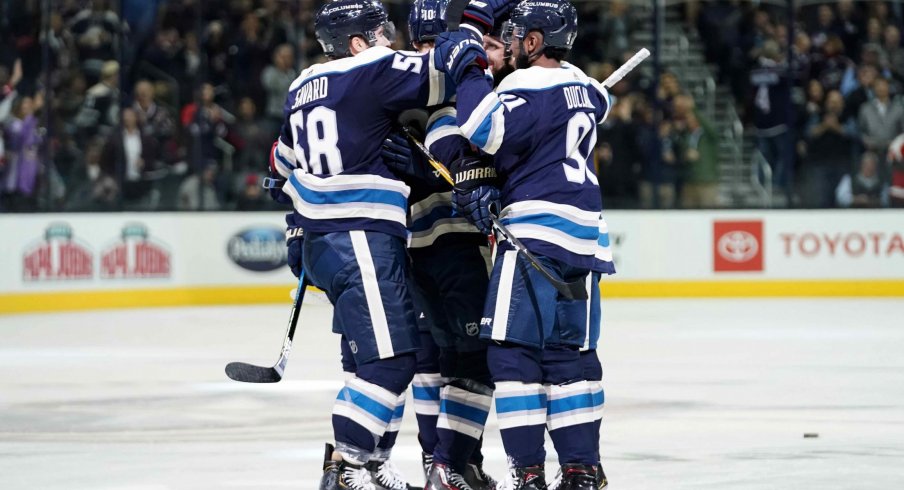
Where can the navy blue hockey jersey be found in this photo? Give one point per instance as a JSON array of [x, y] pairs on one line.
[[541, 127], [337, 115]]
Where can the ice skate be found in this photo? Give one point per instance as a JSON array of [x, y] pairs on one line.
[[525, 478], [477, 478], [601, 480], [385, 476], [577, 477], [443, 477]]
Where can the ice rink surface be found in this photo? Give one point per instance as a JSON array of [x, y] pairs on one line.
[[713, 394]]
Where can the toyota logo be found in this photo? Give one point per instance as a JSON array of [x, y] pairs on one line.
[[738, 246]]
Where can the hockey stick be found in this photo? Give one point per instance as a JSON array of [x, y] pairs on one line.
[[454, 11], [249, 373], [571, 290], [623, 70]]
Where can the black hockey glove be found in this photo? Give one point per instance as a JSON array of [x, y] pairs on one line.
[[294, 241], [474, 191], [401, 158]]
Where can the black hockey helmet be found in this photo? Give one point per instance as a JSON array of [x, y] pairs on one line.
[[336, 22], [556, 19], [427, 19]]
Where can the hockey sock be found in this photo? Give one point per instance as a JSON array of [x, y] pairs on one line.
[[571, 420], [426, 389], [385, 444], [521, 412], [361, 415], [464, 407]]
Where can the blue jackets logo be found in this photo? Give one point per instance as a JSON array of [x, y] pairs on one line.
[[258, 249]]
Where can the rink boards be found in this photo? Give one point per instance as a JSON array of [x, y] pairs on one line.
[[86, 261]]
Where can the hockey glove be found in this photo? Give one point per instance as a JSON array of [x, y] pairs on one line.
[[483, 14], [403, 159], [455, 51], [274, 183], [294, 241], [474, 191]]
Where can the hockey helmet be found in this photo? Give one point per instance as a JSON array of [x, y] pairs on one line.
[[556, 19], [427, 20], [336, 22]]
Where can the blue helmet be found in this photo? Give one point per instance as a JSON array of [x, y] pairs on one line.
[[336, 22], [427, 19], [556, 19]]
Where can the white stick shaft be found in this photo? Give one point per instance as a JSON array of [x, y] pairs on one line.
[[623, 70]]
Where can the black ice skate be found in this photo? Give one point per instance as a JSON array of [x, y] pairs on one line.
[[578, 477], [342, 475], [525, 478], [477, 479], [385, 476], [601, 480], [443, 477]]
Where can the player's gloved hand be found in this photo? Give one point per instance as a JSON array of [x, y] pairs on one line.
[[402, 157], [455, 51], [274, 182], [483, 14], [294, 240], [474, 191]]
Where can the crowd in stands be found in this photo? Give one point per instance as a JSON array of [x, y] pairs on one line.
[[173, 104], [826, 122]]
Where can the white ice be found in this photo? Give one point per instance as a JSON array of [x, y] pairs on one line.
[[713, 394]]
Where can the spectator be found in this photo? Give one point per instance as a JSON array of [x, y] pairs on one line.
[[893, 53], [864, 189], [155, 120], [130, 155], [252, 197], [881, 119], [850, 26], [701, 157], [830, 149], [98, 113], [825, 26], [207, 123], [771, 115], [198, 192], [96, 31], [618, 156], [19, 174], [831, 67], [255, 138], [866, 76], [276, 79]]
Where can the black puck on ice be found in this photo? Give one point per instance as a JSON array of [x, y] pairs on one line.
[[810, 435]]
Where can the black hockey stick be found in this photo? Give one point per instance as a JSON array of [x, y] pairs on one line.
[[249, 373], [454, 10], [571, 290]]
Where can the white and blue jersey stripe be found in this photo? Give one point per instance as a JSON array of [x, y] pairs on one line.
[[571, 404], [359, 199]]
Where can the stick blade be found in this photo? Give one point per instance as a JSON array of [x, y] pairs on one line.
[[577, 290], [454, 10], [249, 373]]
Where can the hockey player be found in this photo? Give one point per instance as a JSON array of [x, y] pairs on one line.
[[541, 127], [353, 211], [452, 387]]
